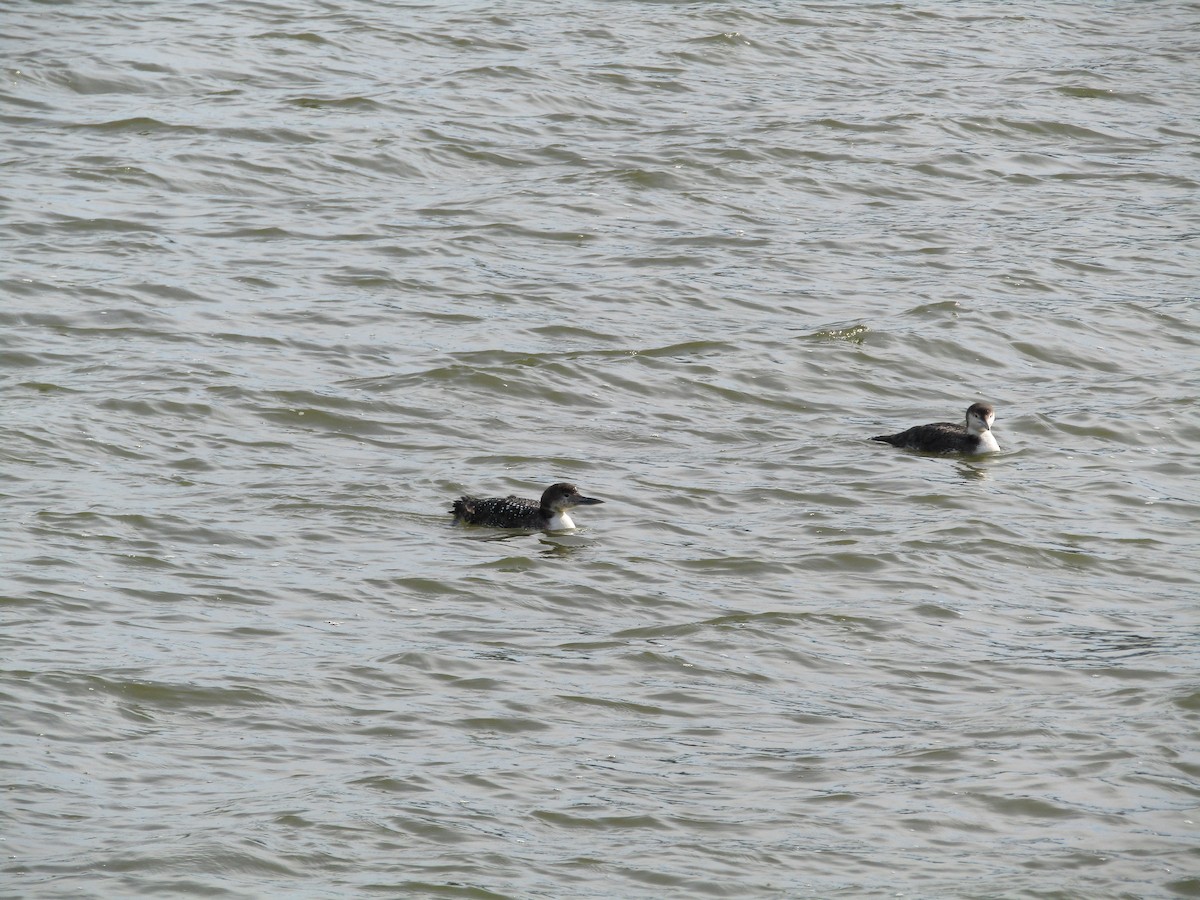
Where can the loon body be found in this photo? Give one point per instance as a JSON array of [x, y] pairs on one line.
[[945, 437], [547, 514]]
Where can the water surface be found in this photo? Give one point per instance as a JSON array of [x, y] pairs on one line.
[[282, 281]]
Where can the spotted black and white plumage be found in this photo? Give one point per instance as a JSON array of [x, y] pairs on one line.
[[547, 514], [945, 437]]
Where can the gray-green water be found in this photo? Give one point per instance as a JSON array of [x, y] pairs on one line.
[[280, 281]]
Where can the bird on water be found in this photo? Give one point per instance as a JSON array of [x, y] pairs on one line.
[[547, 514], [945, 437]]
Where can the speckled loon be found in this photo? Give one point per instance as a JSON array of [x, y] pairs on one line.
[[547, 514], [945, 437]]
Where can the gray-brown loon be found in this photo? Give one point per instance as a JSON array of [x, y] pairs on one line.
[[547, 514], [945, 437]]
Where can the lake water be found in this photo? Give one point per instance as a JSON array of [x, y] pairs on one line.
[[282, 281]]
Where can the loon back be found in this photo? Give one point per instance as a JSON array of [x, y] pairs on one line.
[[937, 437], [500, 512]]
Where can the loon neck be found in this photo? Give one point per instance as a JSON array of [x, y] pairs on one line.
[[987, 440], [559, 521]]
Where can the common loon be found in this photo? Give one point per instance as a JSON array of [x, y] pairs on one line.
[[548, 514], [944, 437]]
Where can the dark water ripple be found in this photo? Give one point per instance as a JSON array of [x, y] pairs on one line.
[[281, 281]]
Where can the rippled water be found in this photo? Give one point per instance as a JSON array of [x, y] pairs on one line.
[[282, 281]]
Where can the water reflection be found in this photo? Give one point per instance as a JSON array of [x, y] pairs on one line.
[[971, 471]]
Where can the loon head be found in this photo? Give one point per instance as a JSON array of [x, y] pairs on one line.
[[562, 496], [980, 417]]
